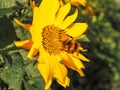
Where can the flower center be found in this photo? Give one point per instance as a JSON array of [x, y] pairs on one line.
[[51, 41]]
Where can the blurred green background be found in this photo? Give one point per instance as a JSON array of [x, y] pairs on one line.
[[102, 42]]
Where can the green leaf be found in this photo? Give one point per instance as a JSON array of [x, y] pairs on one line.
[[10, 3], [34, 84], [6, 11], [27, 86], [8, 6], [12, 72], [34, 78], [31, 69]]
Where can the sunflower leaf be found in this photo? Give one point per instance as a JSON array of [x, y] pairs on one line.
[[10, 3], [9, 6], [12, 72], [34, 84], [35, 81]]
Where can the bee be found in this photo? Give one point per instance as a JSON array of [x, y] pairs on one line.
[[70, 45]]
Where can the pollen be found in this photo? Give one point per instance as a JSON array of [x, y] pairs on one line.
[[51, 41]]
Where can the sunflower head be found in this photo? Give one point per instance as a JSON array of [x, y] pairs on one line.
[[54, 35]]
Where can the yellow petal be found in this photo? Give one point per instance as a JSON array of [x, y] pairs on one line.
[[63, 11], [48, 10], [34, 50], [66, 83], [58, 58], [78, 66], [26, 44], [76, 29], [61, 3], [69, 20], [44, 71], [72, 63], [36, 17], [80, 56], [32, 4], [25, 26], [67, 60], [48, 84], [36, 33], [82, 49], [47, 70], [60, 72], [43, 56], [81, 73], [77, 63]]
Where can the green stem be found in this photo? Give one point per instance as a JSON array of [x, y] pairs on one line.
[[7, 49]]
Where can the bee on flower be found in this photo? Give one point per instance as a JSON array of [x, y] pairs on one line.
[[53, 36]]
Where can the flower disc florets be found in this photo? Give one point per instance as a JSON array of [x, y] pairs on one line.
[[50, 40]]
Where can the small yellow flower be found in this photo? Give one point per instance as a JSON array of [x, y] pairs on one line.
[[84, 4], [52, 33], [79, 2], [74, 2], [87, 8]]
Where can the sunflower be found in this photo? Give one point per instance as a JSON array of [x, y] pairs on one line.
[[50, 26]]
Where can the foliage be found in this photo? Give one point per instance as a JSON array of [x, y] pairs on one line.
[[103, 44]]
